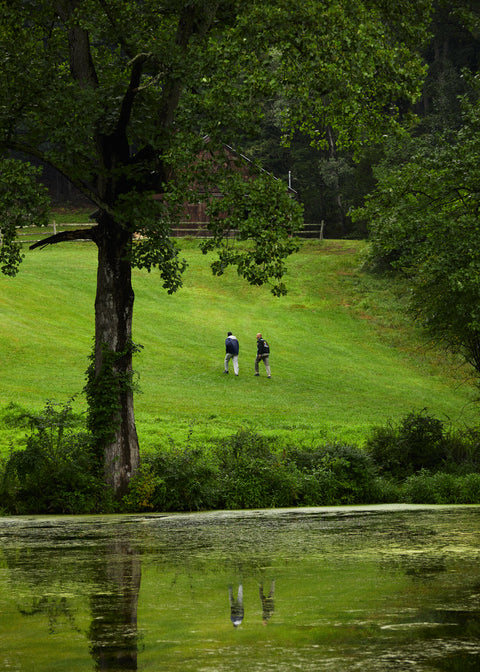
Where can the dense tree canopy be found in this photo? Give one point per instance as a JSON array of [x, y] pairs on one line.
[[331, 181], [424, 215], [425, 222], [119, 96]]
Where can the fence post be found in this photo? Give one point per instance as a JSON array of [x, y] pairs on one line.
[[322, 224], [54, 228]]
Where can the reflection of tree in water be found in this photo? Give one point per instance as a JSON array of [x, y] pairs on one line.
[[39, 571], [41, 574], [56, 608], [113, 631]]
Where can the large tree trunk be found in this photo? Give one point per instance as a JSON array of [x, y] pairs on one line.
[[113, 356]]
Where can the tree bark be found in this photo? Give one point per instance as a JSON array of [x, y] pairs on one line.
[[113, 335]]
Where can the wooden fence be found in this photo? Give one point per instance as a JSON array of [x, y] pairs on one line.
[[32, 234]]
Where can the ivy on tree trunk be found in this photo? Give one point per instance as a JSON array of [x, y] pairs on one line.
[[110, 378]]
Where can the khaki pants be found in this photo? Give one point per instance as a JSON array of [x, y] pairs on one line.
[[263, 358], [228, 357]]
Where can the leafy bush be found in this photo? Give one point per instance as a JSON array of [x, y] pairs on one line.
[[417, 443], [247, 470], [470, 489], [441, 488], [252, 475], [462, 451], [146, 491], [385, 491], [421, 442], [334, 474], [57, 472], [417, 461], [421, 437], [186, 480]]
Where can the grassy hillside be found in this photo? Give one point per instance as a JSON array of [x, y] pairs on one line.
[[343, 358]]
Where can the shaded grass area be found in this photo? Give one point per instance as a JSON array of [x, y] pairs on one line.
[[343, 355]]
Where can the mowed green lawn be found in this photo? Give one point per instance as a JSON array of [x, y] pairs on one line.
[[341, 363]]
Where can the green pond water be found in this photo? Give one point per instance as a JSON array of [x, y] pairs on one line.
[[361, 588]]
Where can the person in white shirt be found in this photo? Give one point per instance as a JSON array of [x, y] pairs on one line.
[[232, 348]]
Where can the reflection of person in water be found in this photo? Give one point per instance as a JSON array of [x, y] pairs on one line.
[[236, 606], [268, 605]]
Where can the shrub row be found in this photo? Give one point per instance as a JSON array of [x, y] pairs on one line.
[[245, 471], [417, 461]]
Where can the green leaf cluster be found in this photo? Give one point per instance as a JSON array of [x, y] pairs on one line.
[[260, 211], [425, 221], [23, 202], [57, 471]]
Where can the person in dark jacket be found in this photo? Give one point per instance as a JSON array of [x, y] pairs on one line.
[[232, 348], [263, 353]]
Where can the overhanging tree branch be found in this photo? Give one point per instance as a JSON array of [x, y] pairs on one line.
[[63, 236]]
